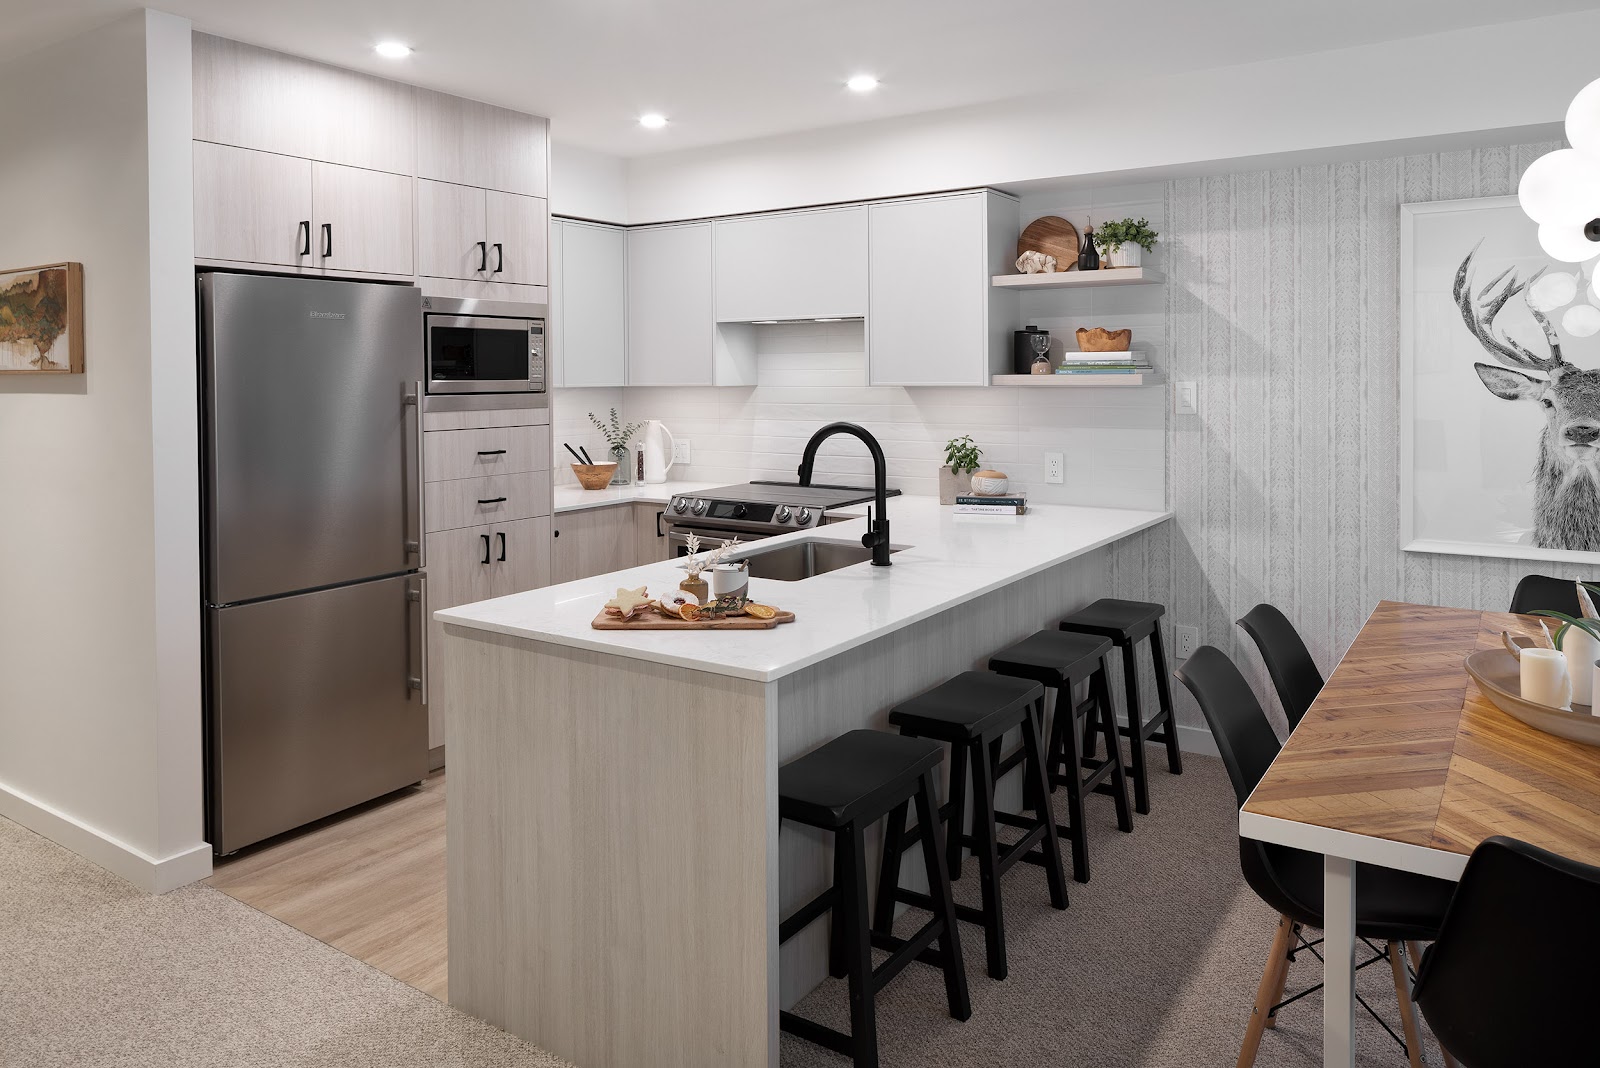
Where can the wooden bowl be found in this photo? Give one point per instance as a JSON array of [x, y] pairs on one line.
[[1102, 340], [1499, 676], [594, 476]]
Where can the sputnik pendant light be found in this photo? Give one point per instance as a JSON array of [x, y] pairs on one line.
[[1561, 190]]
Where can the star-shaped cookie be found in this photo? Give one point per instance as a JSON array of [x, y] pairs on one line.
[[627, 602]]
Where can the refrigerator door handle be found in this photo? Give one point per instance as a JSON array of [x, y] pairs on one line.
[[417, 636], [416, 511]]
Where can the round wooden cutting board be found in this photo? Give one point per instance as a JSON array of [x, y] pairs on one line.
[[1053, 236]]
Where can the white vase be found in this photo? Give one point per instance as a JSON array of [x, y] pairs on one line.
[[1581, 650], [1129, 255]]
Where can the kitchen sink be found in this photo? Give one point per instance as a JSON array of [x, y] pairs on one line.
[[804, 559]]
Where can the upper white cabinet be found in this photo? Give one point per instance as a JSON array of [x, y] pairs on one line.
[[588, 304], [254, 98], [480, 234], [470, 143], [795, 265], [933, 318], [670, 312]]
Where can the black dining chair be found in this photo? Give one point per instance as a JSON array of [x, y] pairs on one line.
[[1294, 674], [1392, 907], [1546, 593], [1499, 987]]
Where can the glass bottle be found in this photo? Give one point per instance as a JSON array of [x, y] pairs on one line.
[[624, 460]]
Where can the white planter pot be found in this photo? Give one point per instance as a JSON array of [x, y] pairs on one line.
[[1581, 650], [1127, 256]]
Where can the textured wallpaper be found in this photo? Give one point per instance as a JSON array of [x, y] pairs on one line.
[[1283, 305]]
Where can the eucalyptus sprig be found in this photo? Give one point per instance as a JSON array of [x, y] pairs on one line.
[[961, 454], [616, 434]]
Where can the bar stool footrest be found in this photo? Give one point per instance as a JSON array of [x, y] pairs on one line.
[[812, 1031]]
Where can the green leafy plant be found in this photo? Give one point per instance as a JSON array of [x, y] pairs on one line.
[[961, 454], [1113, 235], [616, 434], [1591, 626]]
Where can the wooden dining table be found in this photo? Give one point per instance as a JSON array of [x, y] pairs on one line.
[[1402, 762]]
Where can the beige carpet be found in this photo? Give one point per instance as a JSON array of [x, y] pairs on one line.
[[1153, 966]]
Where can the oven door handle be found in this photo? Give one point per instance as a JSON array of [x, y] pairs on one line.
[[678, 536]]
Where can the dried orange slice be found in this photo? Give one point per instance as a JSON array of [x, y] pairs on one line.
[[690, 612], [760, 611]]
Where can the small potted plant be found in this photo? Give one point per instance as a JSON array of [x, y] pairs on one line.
[[1124, 243], [617, 435], [961, 457]]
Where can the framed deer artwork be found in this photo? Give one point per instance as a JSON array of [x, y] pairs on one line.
[[1499, 388]]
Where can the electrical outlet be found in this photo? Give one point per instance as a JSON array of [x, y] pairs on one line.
[[1054, 465], [1186, 399], [1188, 640], [680, 452]]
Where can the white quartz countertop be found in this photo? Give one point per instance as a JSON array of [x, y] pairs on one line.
[[571, 498], [947, 559]]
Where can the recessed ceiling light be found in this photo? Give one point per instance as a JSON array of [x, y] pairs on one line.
[[653, 121], [862, 83], [392, 49]]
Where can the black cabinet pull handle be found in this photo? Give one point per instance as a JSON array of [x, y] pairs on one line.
[[492, 500], [327, 241], [659, 532], [502, 536], [305, 237], [491, 452], [485, 538], [499, 257], [483, 256], [555, 533]]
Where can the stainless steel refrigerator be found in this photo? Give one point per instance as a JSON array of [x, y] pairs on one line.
[[313, 530]]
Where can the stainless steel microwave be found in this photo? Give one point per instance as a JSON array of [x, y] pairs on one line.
[[484, 346]]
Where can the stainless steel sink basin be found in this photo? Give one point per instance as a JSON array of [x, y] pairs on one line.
[[804, 559]]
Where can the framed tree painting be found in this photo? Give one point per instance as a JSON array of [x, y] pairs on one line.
[[1499, 387], [41, 320]]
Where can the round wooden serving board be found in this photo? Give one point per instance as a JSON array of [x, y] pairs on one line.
[[1053, 236], [1499, 676], [653, 620]]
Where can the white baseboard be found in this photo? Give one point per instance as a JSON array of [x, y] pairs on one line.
[[139, 868], [1197, 740]]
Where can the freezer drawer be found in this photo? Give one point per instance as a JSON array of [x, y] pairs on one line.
[[314, 704]]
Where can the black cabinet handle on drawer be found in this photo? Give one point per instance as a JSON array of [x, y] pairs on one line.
[[499, 257], [502, 536], [485, 538], [659, 532], [491, 452], [483, 256], [327, 241], [305, 237], [492, 500]]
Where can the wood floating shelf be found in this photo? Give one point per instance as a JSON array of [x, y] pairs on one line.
[[1118, 276], [1153, 378]]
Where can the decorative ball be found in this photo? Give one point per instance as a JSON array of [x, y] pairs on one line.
[[989, 483]]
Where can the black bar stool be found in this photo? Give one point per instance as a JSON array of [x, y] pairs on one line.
[[972, 712], [1060, 661], [844, 787], [1127, 623]]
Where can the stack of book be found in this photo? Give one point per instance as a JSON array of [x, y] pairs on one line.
[[1104, 363], [974, 504]]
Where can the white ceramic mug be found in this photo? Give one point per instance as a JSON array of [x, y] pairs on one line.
[[729, 579], [1544, 678]]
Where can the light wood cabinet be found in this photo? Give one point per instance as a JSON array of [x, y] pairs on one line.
[[516, 231], [793, 265], [670, 314], [480, 235], [521, 552], [649, 533], [588, 304], [470, 143], [592, 541], [933, 317], [254, 207], [363, 220], [499, 450], [469, 502]]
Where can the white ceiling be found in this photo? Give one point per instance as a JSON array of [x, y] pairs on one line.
[[728, 70]]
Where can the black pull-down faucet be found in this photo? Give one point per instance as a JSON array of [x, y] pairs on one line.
[[877, 536]]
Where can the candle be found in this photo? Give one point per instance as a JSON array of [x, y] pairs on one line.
[[1544, 678], [1594, 710]]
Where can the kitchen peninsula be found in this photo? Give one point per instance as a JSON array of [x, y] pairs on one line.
[[616, 871]]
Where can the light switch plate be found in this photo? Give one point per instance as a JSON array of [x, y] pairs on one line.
[[1188, 640], [680, 452], [1054, 468], [1186, 399]]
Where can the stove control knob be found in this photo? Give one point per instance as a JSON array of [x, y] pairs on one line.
[[699, 507], [740, 511], [805, 517], [783, 513], [680, 504]]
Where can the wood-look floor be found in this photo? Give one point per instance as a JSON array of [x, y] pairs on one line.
[[370, 883]]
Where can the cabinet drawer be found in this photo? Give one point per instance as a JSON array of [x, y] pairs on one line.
[[456, 503], [502, 450]]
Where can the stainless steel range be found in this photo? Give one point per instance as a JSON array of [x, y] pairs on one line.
[[754, 510]]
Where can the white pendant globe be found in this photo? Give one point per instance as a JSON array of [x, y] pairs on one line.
[[1561, 187], [1566, 242], [1583, 120]]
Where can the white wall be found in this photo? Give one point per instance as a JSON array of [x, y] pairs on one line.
[[587, 185], [99, 673], [1456, 84]]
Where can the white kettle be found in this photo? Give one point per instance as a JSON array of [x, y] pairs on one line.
[[658, 446]]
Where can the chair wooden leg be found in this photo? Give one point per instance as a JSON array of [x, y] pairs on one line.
[[1414, 951], [1408, 1011], [1272, 974], [1283, 979]]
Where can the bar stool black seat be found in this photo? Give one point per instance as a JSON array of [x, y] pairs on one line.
[[972, 712], [1060, 661], [844, 787], [1127, 623]]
